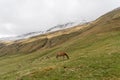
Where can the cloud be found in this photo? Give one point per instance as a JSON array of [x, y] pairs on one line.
[[22, 16]]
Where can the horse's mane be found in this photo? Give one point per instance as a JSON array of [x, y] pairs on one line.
[[67, 55]]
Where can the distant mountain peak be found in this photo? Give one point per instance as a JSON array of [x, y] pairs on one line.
[[60, 26], [117, 8], [32, 34]]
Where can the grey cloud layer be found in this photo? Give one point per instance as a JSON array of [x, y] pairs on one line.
[[22, 16]]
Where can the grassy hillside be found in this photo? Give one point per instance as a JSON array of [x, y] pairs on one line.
[[94, 54], [39, 42]]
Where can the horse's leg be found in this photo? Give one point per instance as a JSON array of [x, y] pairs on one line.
[[57, 56], [63, 57]]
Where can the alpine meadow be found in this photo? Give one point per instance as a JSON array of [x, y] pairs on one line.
[[93, 49]]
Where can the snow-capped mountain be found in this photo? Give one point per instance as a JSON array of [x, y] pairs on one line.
[[23, 36], [64, 26], [61, 26], [32, 34]]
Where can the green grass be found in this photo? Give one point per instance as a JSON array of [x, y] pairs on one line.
[[95, 57]]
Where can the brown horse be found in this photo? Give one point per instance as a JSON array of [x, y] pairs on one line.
[[60, 54]]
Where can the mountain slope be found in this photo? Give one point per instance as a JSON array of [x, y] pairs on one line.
[[94, 52], [37, 33], [35, 43]]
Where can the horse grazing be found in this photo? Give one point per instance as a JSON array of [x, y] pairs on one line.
[[60, 54]]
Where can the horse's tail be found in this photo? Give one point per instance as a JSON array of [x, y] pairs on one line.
[[67, 56]]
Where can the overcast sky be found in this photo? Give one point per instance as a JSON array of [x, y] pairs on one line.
[[23, 16]]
